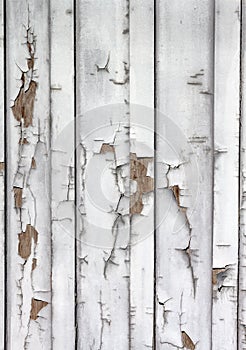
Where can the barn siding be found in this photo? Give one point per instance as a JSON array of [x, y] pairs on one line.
[[123, 142], [226, 172], [61, 158], [28, 290], [184, 157]]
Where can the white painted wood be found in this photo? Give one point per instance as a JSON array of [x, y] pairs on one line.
[[114, 296], [2, 204], [28, 238], [142, 145], [62, 170], [184, 174], [103, 174], [242, 251], [226, 140]]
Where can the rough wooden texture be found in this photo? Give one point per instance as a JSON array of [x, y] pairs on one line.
[[242, 203], [142, 174], [123, 222], [103, 177], [226, 166], [28, 227], [62, 171], [184, 159]]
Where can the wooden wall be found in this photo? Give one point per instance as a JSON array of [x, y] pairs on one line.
[[122, 175]]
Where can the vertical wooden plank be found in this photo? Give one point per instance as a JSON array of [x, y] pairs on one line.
[[242, 238], [62, 168], [142, 158], [184, 174], [28, 285], [226, 139], [2, 192], [103, 174]]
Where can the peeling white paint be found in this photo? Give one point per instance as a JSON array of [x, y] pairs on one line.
[[103, 198], [226, 167], [62, 175], [242, 266], [184, 141], [132, 266], [23, 284]]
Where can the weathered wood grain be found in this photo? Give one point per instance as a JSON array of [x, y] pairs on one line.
[[184, 174], [242, 201], [142, 169], [28, 118], [226, 167], [62, 171], [112, 244], [103, 174]]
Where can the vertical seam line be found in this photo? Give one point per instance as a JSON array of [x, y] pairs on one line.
[[5, 175], [75, 176], [239, 170], [155, 174], [212, 166]]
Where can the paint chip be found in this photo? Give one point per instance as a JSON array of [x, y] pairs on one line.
[[34, 263], [23, 141], [37, 305], [187, 342], [215, 274], [176, 192], [145, 184], [34, 165], [18, 197], [25, 241], [106, 148], [24, 103]]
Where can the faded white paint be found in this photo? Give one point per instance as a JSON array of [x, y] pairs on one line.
[[142, 144], [98, 274], [62, 171], [184, 159], [102, 198], [242, 251], [24, 144], [226, 170]]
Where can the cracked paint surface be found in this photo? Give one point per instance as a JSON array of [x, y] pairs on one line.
[[103, 177], [62, 173], [29, 269], [25, 241], [115, 248], [183, 178], [144, 183]]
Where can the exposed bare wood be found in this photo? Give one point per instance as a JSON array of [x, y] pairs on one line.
[[226, 138], [37, 305], [25, 241], [142, 174], [28, 119], [184, 174], [139, 242], [103, 174]]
